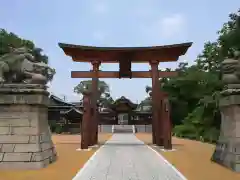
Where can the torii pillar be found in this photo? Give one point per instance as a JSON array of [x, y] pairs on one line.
[[155, 101], [94, 98], [161, 122], [85, 125], [166, 121]]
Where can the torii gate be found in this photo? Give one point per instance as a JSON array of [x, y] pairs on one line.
[[161, 126]]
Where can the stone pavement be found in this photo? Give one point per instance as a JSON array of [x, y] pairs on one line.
[[124, 157]]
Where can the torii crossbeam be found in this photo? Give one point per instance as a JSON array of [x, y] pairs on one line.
[[115, 74], [125, 56]]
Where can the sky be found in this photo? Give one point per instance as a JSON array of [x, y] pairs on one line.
[[113, 23]]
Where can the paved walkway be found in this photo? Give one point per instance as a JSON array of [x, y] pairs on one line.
[[124, 157]]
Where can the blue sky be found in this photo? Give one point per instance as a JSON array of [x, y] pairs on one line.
[[113, 23]]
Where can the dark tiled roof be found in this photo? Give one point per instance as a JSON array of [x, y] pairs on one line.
[[79, 104], [73, 110], [58, 101]]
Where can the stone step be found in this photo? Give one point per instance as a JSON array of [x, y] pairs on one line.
[[123, 129]]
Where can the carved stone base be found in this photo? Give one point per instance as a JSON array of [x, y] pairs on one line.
[[25, 137], [227, 152]]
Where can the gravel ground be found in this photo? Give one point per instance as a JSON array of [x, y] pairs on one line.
[[68, 164], [192, 159]]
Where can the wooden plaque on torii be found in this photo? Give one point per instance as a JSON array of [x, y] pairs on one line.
[[125, 56]]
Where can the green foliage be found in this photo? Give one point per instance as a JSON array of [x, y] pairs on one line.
[[185, 131], [11, 40], [52, 124], [211, 135], [37, 53], [8, 41], [105, 100], [194, 93], [59, 128], [103, 89], [229, 36], [145, 105], [86, 86]]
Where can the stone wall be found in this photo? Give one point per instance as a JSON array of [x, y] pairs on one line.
[[105, 128], [75, 130], [143, 128], [25, 137]]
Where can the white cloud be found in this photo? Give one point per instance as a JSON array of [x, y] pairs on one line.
[[172, 25], [100, 7], [166, 29]]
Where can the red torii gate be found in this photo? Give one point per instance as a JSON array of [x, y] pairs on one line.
[[161, 126]]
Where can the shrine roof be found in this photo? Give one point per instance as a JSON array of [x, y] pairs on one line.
[[164, 53], [78, 104], [123, 100], [73, 114], [74, 111], [54, 100]]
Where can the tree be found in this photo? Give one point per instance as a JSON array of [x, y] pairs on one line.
[[202, 120], [229, 36], [148, 90], [194, 93], [37, 53], [105, 100], [11, 40], [86, 86], [103, 91], [145, 105]]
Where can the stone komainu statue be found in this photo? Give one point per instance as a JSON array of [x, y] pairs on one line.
[[231, 72], [228, 146], [24, 105], [20, 66]]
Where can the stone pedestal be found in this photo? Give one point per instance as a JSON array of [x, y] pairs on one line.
[[25, 137], [227, 152]]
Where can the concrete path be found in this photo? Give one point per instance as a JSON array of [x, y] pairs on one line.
[[124, 157]]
